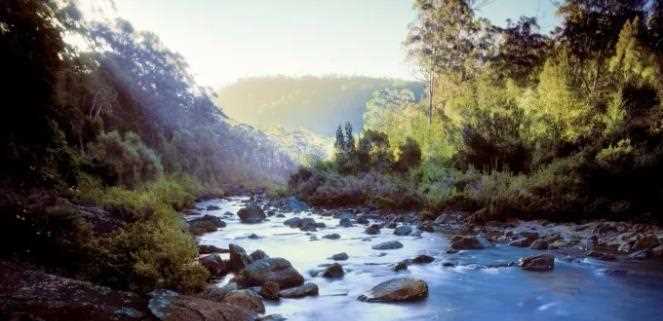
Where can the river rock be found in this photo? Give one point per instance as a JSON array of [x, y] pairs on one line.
[[538, 263], [403, 230], [295, 205], [238, 257], [245, 299], [465, 242], [333, 236], [270, 291], [258, 255], [293, 222], [215, 293], [251, 215], [215, 265], [362, 220], [390, 245], [214, 220], [213, 208], [601, 255], [539, 245], [334, 271], [373, 229], [423, 259], [397, 290], [210, 249], [307, 289], [400, 266], [169, 306], [340, 256], [521, 242], [345, 222], [277, 270]]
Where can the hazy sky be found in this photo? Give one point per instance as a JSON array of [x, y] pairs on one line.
[[224, 40]]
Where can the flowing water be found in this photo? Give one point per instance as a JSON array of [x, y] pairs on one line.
[[581, 289]]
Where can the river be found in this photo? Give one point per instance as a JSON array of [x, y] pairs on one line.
[[577, 289]]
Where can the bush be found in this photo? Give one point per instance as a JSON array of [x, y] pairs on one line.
[[124, 161], [153, 249]]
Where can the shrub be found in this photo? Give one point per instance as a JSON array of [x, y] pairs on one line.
[[124, 161], [153, 249], [409, 156]]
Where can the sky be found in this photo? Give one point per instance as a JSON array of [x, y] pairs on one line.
[[224, 40]]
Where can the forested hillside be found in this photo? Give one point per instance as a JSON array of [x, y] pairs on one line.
[[103, 137], [516, 123], [313, 103]]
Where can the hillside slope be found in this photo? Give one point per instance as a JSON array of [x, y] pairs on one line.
[[317, 104]]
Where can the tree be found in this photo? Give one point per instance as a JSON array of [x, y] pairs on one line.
[[30, 59], [591, 27], [521, 52], [444, 39], [409, 156]]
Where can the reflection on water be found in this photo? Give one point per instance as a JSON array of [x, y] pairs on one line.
[[578, 290]]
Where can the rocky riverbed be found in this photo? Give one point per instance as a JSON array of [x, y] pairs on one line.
[[309, 264]]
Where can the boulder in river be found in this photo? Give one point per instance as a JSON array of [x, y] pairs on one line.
[[401, 266], [270, 291], [423, 259], [251, 215], [403, 230], [340, 256], [213, 208], [308, 289], [333, 236], [539, 245], [294, 222], [210, 249], [258, 255], [205, 224], [362, 220], [238, 257], [334, 271], [169, 306], [538, 263], [373, 229], [345, 222], [215, 265], [277, 270], [245, 299], [295, 205], [521, 242], [397, 290], [389, 245], [465, 242]]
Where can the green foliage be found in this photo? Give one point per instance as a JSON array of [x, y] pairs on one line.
[[566, 128], [125, 160], [153, 250]]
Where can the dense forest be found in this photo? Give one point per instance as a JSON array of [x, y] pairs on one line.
[[516, 123], [316, 104], [104, 136]]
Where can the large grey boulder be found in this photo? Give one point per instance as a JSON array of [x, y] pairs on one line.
[[538, 263], [238, 257], [251, 215], [169, 306], [465, 242], [403, 230], [397, 290], [276, 270], [245, 299], [390, 245], [308, 289]]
